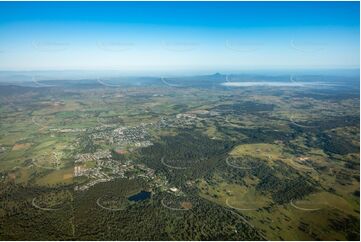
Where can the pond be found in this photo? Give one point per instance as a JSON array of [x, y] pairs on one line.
[[143, 195]]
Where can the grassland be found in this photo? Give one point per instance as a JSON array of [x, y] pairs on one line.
[[275, 163]]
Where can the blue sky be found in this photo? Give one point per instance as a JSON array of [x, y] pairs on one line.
[[178, 35]]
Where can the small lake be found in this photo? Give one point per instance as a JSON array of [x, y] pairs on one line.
[[143, 195]]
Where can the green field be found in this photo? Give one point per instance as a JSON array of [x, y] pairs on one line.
[[248, 163]]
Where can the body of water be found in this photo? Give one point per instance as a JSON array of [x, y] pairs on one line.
[[143, 195]]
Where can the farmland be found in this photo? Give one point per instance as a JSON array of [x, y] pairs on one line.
[[231, 163]]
